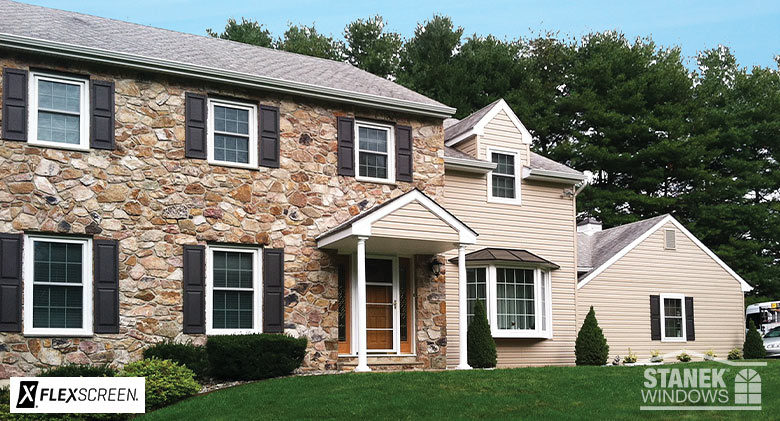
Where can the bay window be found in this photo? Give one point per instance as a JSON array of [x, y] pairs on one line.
[[517, 299]]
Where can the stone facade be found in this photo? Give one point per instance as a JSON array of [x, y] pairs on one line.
[[149, 197]]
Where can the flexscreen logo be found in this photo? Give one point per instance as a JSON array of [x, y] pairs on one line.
[[78, 395]]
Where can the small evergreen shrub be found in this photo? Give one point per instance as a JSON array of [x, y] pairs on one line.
[[630, 358], [684, 357], [480, 343], [754, 345], [591, 347], [166, 381], [188, 355], [255, 356], [735, 354], [79, 370]]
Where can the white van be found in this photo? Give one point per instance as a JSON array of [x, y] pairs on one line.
[[765, 315]]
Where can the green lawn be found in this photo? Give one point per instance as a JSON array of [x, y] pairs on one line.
[[530, 393]]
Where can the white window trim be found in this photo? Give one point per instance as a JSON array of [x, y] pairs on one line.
[[32, 113], [86, 284], [253, 145], [492, 296], [390, 152], [257, 286], [518, 177], [681, 297]]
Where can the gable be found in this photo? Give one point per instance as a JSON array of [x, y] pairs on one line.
[[414, 221]]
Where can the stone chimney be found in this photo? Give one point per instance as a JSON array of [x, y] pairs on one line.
[[589, 225]]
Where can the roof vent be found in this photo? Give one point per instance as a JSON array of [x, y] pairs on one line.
[[589, 225]]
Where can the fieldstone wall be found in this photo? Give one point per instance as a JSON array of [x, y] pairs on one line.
[[431, 314], [149, 197]]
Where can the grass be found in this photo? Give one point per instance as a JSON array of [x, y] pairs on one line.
[[527, 393]]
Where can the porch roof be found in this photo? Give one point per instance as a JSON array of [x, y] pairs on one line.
[[410, 220], [507, 255]]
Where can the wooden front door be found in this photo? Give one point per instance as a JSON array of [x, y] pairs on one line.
[[380, 305]]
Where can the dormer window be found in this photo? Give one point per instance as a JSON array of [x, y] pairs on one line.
[[503, 182]]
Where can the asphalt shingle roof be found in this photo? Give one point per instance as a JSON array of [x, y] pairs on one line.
[[129, 38], [594, 250]]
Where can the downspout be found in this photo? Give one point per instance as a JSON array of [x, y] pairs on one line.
[[576, 258]]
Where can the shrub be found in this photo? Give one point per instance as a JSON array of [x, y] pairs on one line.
[[684, 358], [166, 381], [188, 355], [79, 370], [655, 356], [710, 355], [735, 354], [480, 343], [255, 356], [630, 358], [754, 345], [591, 347]]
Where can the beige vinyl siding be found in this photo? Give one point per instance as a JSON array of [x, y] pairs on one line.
[[414, 221], [501, 133], [469, 146], [544, 225], [621, 297]]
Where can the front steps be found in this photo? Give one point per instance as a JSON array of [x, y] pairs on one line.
[[383, 363]]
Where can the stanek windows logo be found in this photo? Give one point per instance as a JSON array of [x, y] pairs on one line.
[[702, 389]]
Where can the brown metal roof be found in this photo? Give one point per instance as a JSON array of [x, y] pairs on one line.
[[507, 255]]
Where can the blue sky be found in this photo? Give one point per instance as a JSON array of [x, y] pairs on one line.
[[750, 28]]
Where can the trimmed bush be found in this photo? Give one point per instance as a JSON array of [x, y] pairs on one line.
[[630, 358], [188, 355], [255, 356], [735, 354], [79, 370], [754, 345], [166, 381], [591, 347], [480, 343], [684, 357]]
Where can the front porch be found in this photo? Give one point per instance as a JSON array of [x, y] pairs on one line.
[[391, 293]]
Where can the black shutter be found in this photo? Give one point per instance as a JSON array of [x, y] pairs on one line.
[[273, 290], [403, 153], [269, 137], [346, 152], [102, 114], [14, 104], [10, 282], [655, 317], [106, 286], [194, 285], [689, 327], [195, 124]]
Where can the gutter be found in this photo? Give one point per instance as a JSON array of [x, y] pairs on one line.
[[552, 176], [468, 165], [139, 62]]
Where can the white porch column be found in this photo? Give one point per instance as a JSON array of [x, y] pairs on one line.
[[463, 360], [361, 307]]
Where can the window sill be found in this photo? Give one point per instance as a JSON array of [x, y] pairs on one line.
[[375, 180], [56, 145], [504, 201], [533, 334], [223, 332], [57, 333], [674, 340], [233, 165]]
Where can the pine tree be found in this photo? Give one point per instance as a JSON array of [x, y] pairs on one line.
[[481, 346], [591, 347], [754, 345]]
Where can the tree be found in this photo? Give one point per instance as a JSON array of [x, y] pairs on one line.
[[371, 48], [480, 343], [306, 40], [427, 58], [248, 32], [754, 345], [591, 347]]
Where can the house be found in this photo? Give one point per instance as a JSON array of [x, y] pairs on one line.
[[654, 286], [522, 267]]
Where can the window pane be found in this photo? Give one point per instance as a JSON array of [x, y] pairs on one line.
[[62, 128], [231, 149], [476, 287], [505, 163], [503, 186], [374, 140], [232, 310], [673, 327], [672, 307], [57, 306], [59, 96], [232, 269], [515, 299], [57, 262], [231, 120], [373, 165]]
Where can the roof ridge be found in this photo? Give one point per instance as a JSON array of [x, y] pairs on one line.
[[633, 223]]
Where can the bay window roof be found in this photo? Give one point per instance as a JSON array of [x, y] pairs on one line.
[[492, 254]]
